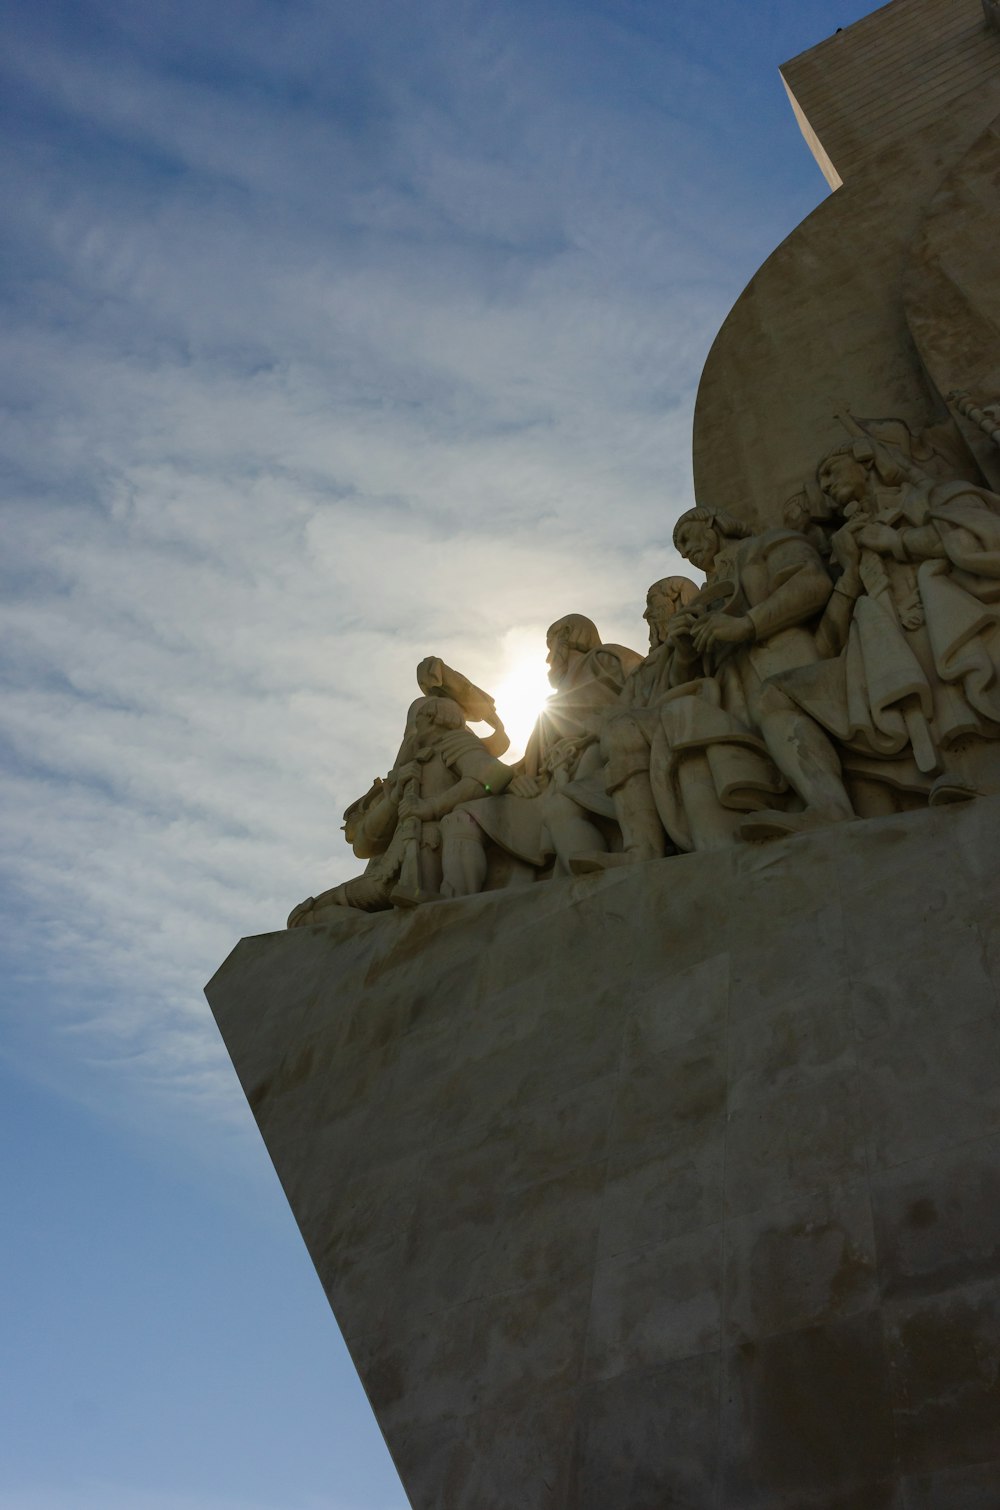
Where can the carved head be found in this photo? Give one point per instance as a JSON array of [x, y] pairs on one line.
[[573, 633], [432, 714], [663, 600], [354, 815], [843, 473], [699, 535]]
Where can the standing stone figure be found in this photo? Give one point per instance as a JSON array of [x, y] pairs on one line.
[[747, 738], [627, 734]]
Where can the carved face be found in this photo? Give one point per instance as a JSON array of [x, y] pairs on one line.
[[698, 543], [426, 720], [843, 478]]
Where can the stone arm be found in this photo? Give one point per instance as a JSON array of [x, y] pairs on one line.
[[479, 775], [921, 543], [834, 626], [429, 809], [685, 663], [801, 588]]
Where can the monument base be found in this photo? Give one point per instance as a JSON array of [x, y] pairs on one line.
[[673, 1186]]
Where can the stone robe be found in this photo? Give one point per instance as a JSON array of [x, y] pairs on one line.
[[778, 581], [924, 638], [523, 825]]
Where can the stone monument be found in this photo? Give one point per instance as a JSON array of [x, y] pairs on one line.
[[639, 1103]]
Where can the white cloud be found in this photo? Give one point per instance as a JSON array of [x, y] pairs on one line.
[[302, 385]]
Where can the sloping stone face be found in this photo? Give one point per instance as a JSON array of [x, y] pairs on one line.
[[891, 105], [675, 1186]]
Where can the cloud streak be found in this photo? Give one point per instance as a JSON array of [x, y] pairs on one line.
[[333, 343]]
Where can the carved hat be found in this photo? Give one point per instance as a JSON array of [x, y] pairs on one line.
[[678, 590], [725, 524]]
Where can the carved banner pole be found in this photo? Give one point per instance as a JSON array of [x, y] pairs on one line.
[[984, 419], [874, 576]]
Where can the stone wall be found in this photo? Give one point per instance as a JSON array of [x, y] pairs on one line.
[[891, 105], [888, 77], [675, 1186]]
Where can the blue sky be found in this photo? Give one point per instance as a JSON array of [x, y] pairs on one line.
[[336, 336]]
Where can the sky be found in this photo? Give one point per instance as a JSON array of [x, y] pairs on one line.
[[336, 335]]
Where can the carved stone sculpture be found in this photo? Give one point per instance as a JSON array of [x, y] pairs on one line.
[[526, 1257], [546, 816], [396, 825], [627, 734], [435, 679], [912, 691], [848, 667], [746, 737]]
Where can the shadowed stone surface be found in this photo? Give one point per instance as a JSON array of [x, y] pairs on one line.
[[674, 1186], [897, 266]]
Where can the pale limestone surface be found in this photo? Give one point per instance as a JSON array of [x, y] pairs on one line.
[[952, 294], [435, 825], [441, 763], [765, 594], [675, 1185], [896, 102], [844, 664]]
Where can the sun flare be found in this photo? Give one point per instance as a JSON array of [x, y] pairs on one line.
[[519, 698]]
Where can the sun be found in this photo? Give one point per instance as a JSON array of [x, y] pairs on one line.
[[519, 699]]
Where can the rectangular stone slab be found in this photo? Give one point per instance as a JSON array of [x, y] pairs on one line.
[[674, 1186]]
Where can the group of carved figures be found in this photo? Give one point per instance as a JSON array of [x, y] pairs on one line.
[[844, 666]]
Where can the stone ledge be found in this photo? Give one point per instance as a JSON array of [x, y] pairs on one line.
[[671, 1185]]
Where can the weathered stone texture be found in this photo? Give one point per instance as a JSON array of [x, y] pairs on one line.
[[672, 1186], [887, 76], [951, 290], [894, 102]]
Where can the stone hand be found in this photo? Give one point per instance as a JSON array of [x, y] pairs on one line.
[[845, 549], [679, 628], [417, 807], [721, 629], [397, 779], [525, 786]]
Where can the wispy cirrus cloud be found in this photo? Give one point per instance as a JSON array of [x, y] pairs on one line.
[[337, 336]]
